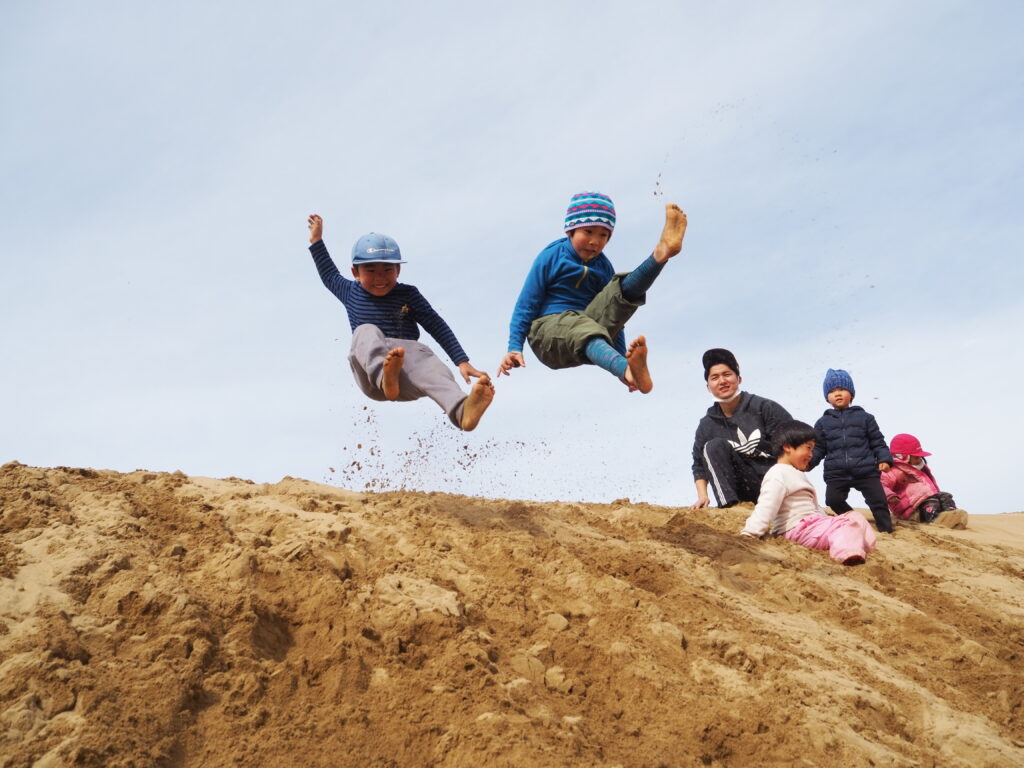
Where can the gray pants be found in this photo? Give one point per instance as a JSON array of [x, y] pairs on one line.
[[423, 375]]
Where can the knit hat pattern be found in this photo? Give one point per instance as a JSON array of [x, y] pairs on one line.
[[719, 356], [590, 209], [837, 378]]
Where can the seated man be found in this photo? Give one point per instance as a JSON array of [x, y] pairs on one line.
[[733, 445]]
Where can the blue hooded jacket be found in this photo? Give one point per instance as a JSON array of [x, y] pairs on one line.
[[850, 442], [559, 280]]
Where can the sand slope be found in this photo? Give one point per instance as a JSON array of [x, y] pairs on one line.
[[159, 620]]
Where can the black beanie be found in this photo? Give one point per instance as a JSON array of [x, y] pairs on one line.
[[719, 356]]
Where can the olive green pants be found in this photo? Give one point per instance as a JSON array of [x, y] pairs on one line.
[[559, 340]]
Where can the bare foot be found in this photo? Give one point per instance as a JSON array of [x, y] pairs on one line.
[[636, 360], [480, 396], [392, 367], [671, 241]]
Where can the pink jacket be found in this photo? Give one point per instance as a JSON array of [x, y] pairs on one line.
[[906, 487]]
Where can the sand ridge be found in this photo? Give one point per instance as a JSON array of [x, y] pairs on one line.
[[156, 619]]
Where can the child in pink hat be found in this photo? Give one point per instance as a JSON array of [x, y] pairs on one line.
[[910, 486]]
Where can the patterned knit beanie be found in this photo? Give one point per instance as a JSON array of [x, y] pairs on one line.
[[837, 378], [590, 209]]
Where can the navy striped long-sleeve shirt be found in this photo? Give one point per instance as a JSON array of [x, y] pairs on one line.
[[397, 314]]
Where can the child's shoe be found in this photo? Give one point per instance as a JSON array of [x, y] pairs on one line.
[[946, 500], [929, 509]]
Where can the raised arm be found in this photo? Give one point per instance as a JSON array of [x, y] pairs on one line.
[[329, 274]]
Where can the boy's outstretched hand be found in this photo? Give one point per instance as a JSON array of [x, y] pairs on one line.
[[510, 361], [468, 371], [316, 230]]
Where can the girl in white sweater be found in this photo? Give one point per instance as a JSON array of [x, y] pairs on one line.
[[788, 506]]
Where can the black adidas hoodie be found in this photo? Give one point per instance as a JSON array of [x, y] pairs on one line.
[[749, 429]]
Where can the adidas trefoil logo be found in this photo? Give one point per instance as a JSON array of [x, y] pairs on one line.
[[747, 445]]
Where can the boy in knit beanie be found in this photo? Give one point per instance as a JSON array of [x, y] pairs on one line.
[[573, 306], [854, 450]]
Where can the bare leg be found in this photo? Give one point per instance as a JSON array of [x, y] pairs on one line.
[[480, 396], [636, 362], [392, 367], [671, 241]]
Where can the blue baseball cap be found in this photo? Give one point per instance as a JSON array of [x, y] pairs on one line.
[[375, 248]]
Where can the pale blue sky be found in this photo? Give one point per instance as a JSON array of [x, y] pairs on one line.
[[852, 176]]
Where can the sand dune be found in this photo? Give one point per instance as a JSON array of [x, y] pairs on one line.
[[152, 619]]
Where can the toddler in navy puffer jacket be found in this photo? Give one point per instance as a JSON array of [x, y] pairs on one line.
[[854, 450]]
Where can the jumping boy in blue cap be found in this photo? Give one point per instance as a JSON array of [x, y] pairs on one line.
[[573, 306], [387, 360]]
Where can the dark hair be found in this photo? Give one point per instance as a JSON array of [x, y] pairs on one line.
[[791, 433], [719, 356]]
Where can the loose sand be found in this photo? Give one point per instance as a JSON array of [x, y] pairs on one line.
[[151, 619]]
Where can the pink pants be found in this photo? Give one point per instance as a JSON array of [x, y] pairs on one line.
[[844, 536]]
